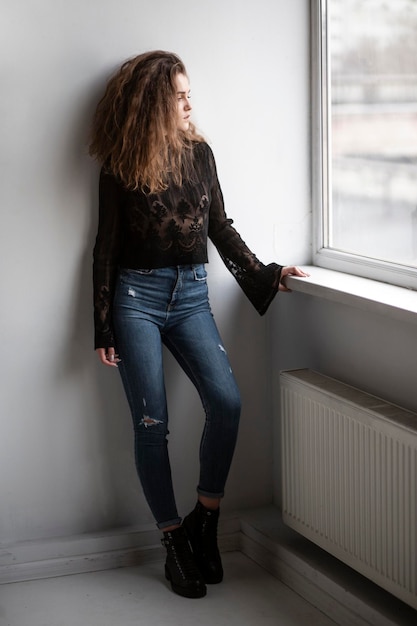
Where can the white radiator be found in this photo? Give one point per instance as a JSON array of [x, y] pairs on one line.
[[350, 477]]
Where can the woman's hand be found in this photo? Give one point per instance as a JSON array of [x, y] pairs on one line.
[[108, 356], [290, 270]]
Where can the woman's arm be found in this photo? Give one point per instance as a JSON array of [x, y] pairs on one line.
[[259, 282], [106, 258]]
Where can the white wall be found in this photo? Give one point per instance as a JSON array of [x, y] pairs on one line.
[[66, 462]]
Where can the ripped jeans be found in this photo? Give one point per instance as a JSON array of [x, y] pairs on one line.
[[170, 306]]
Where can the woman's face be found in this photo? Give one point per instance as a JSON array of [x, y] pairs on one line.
[[183, 97]]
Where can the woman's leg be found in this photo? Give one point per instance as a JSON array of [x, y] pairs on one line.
[[142, 375], [140, 349], [197, 346], [140, 310]]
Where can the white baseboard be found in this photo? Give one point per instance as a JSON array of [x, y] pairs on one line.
[[87, 553], [343, 595], [339, 592]]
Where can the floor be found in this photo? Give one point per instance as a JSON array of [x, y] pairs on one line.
[[140, 596]]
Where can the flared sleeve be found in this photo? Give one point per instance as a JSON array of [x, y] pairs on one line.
[[259, 282], [106, 256]]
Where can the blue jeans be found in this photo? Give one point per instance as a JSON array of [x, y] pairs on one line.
[[170, 306]]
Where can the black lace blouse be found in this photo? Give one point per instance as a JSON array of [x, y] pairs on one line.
[[146, 231]]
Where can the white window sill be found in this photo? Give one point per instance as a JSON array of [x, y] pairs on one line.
[[369, 295]]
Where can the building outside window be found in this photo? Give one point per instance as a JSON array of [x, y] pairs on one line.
[[365, 149]]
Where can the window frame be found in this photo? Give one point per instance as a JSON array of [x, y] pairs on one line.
[[323, 256]]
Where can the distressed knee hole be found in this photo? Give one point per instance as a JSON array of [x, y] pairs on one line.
[[147, 421]]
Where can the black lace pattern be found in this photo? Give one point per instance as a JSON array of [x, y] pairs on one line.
[[144, 231]]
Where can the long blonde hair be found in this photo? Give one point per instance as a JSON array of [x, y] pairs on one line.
[[134, 132]]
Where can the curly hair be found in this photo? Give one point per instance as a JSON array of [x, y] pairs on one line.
[[134, 131]]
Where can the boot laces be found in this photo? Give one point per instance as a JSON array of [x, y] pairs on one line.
[[180, 551], [209, 530]]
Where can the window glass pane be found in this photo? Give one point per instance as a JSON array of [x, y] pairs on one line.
[[373, 128]]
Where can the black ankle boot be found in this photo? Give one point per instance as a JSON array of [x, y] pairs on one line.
[[201, 528], [180, 566]]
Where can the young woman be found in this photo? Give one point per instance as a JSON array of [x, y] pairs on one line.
[[159, 201]]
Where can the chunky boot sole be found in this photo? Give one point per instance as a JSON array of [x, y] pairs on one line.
[[185, 592]]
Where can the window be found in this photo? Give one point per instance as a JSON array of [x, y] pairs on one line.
[[365, 137]]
